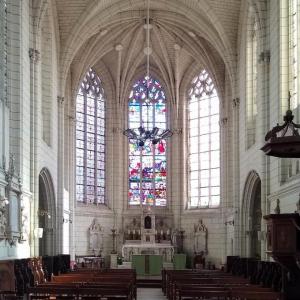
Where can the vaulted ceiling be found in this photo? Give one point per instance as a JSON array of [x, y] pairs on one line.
[[185, 34]]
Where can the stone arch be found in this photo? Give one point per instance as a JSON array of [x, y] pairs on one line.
[[47, 213], [251, 216]]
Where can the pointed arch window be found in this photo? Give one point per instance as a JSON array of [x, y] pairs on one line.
[[251, 82], [204, 143], [147, 165], [90, 141], [293, 51]]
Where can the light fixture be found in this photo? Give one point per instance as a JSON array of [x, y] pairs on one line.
[[283, 140], [67, 221], [142, 134], [43, 212]]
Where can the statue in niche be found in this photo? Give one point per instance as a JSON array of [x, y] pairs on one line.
[[133, 231], [174, 235], [162, 230], [200, 238], [148, 222], [96, 237], [3, 224]]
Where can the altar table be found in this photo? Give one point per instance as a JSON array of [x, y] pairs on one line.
[[147, 264]]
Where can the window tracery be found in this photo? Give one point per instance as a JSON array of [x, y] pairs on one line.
[[204, 143], [90, 141]]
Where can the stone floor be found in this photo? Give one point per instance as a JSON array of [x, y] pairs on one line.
[[150, 294]]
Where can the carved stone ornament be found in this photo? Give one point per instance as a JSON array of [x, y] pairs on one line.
[[96, 237], [3, 220], [13, 193], [200, 237], [277, 208], [10, 172]]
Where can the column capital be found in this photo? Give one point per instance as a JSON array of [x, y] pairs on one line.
[[117, 130], [264, 57], [34, 55], [177, 131], [223, 122], [60, 100], [236, 103]]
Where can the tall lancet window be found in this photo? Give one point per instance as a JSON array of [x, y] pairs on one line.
[[90, 141], [204, 143], [293, 51], [147, 165], [251, 82]]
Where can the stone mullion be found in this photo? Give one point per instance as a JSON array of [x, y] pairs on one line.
[[84, 146], [95, 148]]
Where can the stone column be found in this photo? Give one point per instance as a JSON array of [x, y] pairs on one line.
[[175, 177], [60, 176], [34, 56], [72, 182], [236, 174], [264, 79], [223, 179], [119, 144]]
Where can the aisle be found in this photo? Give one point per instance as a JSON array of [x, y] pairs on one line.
[[150, 294]]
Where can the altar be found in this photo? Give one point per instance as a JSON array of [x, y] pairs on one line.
[[148, 237], [165, 250]]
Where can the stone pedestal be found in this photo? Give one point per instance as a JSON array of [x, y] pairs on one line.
[[113, 261]]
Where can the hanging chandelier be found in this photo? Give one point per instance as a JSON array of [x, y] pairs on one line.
[[143, 134]]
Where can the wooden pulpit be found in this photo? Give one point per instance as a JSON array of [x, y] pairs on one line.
[[283, 244]]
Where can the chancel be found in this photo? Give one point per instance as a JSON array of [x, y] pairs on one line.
[[150, 144]]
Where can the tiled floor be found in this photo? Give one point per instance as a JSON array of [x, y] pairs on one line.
[[150, 294]]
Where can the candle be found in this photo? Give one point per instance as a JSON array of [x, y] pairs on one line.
[[161, 232]]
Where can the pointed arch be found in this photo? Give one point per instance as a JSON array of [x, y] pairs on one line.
[[203, 142], [251, 201], [90, 140], [47, 213]]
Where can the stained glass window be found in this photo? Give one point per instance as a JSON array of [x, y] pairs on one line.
[[251, 82], [147, 165], [90, 141], [293, 49], [204, 143]]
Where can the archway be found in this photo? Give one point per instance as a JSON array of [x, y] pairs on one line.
[[46, 214], [251, 217]]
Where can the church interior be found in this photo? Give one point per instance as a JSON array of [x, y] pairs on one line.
[[150, 140]]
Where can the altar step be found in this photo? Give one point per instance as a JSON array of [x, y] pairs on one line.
[[148, 283]]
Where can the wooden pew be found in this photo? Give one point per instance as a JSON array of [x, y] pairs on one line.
[[187, 284], [89, 285]]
